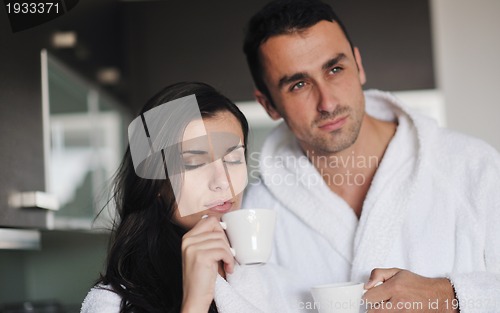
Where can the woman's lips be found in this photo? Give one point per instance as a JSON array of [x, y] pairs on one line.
[[221, 207], [333, 125]]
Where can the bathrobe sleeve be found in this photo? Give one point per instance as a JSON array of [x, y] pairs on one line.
[[257, 289], [480, 291], [101, 300]]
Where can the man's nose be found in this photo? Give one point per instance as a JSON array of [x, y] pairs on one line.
[[327, 101], [218, 180]]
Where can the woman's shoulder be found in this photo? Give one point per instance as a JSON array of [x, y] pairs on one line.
[[101, 299]]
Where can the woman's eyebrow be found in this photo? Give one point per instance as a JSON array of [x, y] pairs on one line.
[[195, 152], [235, 147], [206, 152]]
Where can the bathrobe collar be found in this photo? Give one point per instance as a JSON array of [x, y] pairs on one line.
[[295, 182]]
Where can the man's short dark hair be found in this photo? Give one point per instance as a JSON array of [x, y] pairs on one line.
[[282, 17]]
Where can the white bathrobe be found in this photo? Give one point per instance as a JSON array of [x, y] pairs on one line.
[[433, 208], [250, 289]]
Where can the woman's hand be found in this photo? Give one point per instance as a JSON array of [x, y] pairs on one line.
[[203, 247]]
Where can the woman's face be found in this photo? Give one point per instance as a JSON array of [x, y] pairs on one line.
[[215, 173]]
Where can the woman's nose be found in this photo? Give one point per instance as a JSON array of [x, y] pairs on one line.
[[218, 180]]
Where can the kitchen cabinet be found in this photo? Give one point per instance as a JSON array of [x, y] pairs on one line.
[[21, 153], [58, 157], [86, 130]]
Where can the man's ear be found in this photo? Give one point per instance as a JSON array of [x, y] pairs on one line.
[[264, 101], [361, 70]]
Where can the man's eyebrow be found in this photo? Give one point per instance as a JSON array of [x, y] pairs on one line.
[[285, 80], [298, 76], [330, 63]]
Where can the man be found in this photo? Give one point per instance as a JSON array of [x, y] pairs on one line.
[[365, 189]]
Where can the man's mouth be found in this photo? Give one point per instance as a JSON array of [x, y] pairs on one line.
[[333, 125]]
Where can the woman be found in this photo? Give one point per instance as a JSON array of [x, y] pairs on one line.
[[160, 261], [184, 168]]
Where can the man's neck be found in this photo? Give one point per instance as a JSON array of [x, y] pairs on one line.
[[349, 173]]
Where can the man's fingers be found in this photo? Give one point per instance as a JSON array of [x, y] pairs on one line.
[[379, 287], [381, 275], [376, 295]]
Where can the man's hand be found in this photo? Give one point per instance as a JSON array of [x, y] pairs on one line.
[[404, 291]]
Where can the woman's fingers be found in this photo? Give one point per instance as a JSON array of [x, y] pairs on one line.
[[203, 247], [206, 228], [211, 249], [209, 224], [193, 239], [206, 235], [190, 239]]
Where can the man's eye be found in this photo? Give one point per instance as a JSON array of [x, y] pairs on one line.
[[336, 70], [298, 86]]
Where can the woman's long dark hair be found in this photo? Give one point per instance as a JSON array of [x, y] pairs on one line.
[[144, 264]]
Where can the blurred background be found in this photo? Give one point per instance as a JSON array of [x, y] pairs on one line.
[[69, 88]]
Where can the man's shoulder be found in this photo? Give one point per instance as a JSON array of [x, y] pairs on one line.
[[461, 146], [461, 157]]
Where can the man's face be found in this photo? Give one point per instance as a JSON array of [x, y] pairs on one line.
[[316, 84]]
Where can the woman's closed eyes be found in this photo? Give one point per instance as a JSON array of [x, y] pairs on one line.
[[194, 159]]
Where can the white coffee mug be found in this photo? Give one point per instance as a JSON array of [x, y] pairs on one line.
[[338, 298], [250, 233]]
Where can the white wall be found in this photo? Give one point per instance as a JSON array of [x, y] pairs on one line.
[[467, 55]]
